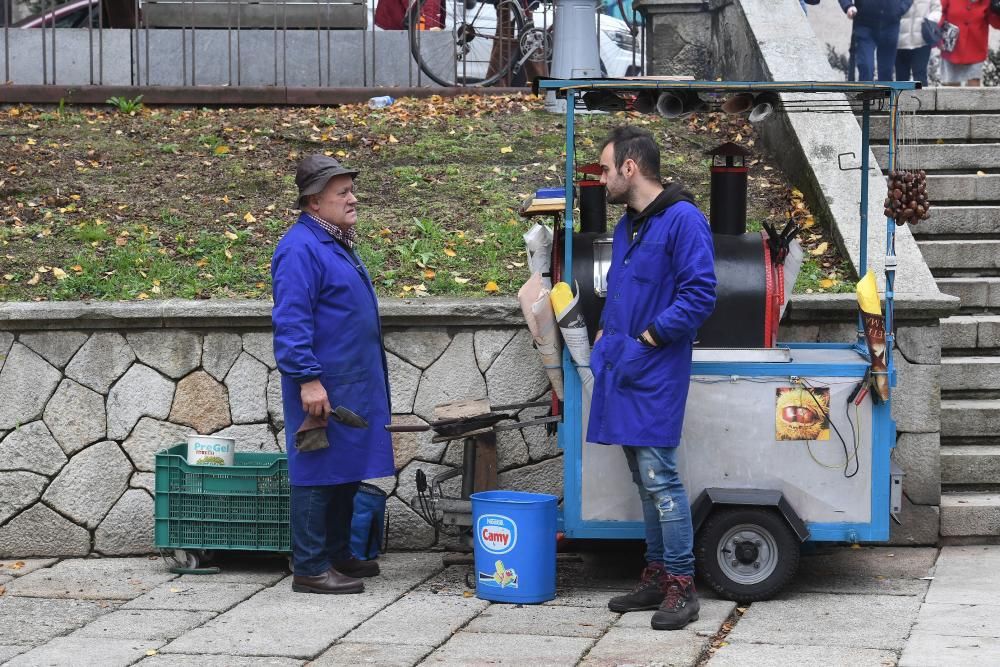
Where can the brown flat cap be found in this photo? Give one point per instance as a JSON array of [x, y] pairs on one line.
[[314, 172]]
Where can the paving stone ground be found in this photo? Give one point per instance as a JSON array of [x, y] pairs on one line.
[[876, 607]]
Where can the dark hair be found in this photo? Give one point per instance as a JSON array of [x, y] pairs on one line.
[[638, 145]]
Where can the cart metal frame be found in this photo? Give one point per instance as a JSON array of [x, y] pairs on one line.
[[883, 426]]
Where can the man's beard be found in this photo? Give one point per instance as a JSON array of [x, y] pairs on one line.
[[618, 198]]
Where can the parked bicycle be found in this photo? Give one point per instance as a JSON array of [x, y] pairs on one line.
[[460, 43]]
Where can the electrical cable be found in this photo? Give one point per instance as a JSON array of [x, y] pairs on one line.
[[843, 442]]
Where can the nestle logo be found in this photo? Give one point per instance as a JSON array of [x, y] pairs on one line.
[[496, 533]]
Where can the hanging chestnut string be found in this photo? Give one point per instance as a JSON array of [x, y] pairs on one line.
[[907, 200]]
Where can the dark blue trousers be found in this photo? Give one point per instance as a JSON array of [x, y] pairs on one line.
[[321, 526], [911, 64], [874, 45]]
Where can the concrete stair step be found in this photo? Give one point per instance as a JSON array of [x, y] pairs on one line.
[[961, 254], [970, 464], [954, 220], [954, 127], [970, 514], [963, 188], [970, 374], [975, 418], [951, 157], [967, 332], [975, 292], [951, 100]]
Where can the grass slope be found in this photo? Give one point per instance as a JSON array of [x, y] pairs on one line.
[[168, 202]]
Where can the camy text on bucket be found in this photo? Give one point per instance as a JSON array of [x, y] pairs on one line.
[[497, 534]]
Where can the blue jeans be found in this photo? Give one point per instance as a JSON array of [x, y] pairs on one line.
[[665, 508], [911, 64], [873, 45], [321, 526]]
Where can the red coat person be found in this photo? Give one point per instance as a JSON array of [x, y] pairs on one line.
[[391, 14], [973, 18]]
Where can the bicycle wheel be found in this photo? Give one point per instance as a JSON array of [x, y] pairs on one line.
[[459, 42]]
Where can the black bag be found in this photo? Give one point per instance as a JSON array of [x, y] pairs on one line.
[[931, 32]]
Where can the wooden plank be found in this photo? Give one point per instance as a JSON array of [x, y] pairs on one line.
[[462, 409], [486, 462]]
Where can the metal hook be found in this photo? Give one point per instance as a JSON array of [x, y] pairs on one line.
[[840, 162]]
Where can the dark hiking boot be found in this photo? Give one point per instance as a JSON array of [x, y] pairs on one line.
[[355, 567], [680, 605], [330, 582], [648, 593]]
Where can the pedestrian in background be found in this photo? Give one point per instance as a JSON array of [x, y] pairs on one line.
[[874, 35], [328, 345], [914, 51], [963, 61]]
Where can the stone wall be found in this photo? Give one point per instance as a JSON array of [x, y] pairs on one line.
[[88, 394]]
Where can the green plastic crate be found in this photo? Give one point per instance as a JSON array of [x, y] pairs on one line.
[[239, 507]]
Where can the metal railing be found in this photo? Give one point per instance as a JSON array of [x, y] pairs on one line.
[[233, 43]]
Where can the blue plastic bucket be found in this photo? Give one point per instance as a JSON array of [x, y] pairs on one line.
[[515, 546]]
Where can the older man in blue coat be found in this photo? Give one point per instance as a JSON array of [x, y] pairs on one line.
[[328, 345], [661, 288]]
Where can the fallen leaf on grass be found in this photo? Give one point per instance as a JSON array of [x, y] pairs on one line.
[[460, 280], [59, 273], [34, 279], [820, 249], [450, 252], [491, 286], [229, 235], [826, 283], [249, 217], [507, 149], [429, 274], [221, 150], [393, 140]]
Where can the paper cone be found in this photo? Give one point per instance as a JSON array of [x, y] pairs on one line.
[[874, 323], [573, 327], [537, 310]]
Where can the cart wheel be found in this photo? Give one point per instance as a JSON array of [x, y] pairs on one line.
[[746, 553], [206, 555], [187, 560]]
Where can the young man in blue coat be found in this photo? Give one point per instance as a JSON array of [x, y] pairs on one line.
[[328, 345], [661, 288]]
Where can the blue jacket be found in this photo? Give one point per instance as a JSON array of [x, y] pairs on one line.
[[664, 278], [877, 12], [326, 327]]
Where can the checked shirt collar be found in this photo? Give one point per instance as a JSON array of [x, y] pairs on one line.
[[348, 237]]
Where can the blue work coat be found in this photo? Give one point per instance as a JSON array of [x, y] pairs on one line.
[[326, 327], [664, 278]]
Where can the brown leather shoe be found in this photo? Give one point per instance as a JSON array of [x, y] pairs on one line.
[[355, 567], [330, 582]]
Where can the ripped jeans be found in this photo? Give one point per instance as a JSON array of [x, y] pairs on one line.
[[665, 508]]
